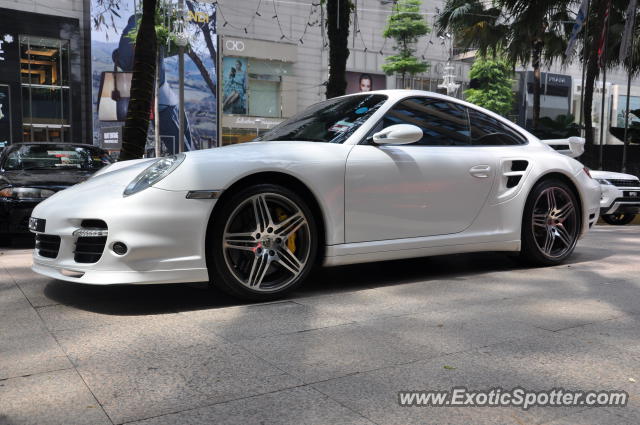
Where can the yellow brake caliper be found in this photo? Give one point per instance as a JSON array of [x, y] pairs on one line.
[[291, 242]]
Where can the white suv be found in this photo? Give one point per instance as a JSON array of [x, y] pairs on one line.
[[620, 199]]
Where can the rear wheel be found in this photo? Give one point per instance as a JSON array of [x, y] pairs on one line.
[[262, 243], [551, 223], [618, 219]]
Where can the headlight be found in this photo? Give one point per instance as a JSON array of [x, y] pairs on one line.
[[154, 173], [25, 193], [603, 181]]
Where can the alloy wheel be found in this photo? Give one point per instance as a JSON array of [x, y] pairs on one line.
[[555, 222], [266, 242]]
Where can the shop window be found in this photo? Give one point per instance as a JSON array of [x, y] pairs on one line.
[[253, 86], [46, 98]]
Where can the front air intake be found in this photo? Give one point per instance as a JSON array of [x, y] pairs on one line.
[[47, 245], [90, 242]]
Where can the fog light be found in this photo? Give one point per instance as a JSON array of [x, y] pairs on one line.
[[119, 248]]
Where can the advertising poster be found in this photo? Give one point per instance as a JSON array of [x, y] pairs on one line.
[[234, 77], [112, 51], [363, 81]]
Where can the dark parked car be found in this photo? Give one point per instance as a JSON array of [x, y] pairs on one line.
[[31, 172]]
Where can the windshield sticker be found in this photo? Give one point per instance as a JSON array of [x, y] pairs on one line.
[[362, 110], [60, 154], [341, 126]]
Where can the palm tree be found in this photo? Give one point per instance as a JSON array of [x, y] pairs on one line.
[[136, 125], [338, 18], [524, 31], [616, 26]]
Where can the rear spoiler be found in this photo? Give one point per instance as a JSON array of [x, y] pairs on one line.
[[572, 146]]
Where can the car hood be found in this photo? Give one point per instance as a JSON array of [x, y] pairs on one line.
[[44, 178], [597, 174], [219, 167]]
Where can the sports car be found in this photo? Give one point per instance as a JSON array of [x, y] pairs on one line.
[[367, 177]]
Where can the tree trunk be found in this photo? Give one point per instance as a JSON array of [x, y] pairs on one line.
[[338, 15], [592, 68], [537, 57], [589, 84], [144, 69]]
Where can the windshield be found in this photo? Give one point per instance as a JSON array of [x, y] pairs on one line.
[[55, 157], [331, 121]]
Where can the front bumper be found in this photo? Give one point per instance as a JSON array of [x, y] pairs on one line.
[[616, 200], [164, 233]]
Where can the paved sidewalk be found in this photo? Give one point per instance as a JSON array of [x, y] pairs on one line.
[[336, 352]]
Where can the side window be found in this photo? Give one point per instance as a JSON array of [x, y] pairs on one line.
[[488, 131], [442, 123]]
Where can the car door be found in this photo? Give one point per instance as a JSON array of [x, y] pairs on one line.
[[435, 186]]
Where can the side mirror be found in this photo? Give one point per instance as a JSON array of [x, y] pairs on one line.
[[399, 134]]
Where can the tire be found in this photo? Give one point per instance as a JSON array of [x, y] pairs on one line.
[[551, 223], [618, 219], [257, 256]]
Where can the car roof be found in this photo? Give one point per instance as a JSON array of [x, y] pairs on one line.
[[395, 95]]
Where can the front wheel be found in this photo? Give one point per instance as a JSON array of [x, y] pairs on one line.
[[551, 223], [618, 219], [262, 244]]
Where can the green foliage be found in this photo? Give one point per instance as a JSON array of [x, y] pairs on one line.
[[406, 25], [494, 90], [164, 18]]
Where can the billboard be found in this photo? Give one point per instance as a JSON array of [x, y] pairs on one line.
[[358, 82], [234, 83], [112, 50]]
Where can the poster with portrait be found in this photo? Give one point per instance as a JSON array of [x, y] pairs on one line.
[[112, 50], [364, 81], [234, 83]]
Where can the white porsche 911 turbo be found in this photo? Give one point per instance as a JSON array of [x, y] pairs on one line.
[[367, 177]]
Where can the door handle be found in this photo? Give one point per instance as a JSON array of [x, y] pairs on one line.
[[480, 171]]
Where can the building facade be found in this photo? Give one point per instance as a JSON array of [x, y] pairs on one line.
[[272, 60], [283, 48], [43, 72]]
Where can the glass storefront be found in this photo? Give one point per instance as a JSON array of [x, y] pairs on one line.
[[44, 80], [41, 79], [258, 90]]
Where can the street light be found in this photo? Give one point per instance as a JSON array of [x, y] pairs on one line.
[[181, 38]]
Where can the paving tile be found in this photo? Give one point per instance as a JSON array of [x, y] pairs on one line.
[[51, 398], [25, 345], [296, 406], [62, 317], [622, 333], [336, 351], [452, 331], [366, 304], [11, 298], [596, 416], [141, 371], [374, 394], [260, 320]]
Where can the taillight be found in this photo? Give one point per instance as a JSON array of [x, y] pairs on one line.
[[586, 171]]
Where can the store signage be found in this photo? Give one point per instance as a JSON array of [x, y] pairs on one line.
[[234, 45], [7, 38], [200, 17], [111, 138], [256, 122]]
